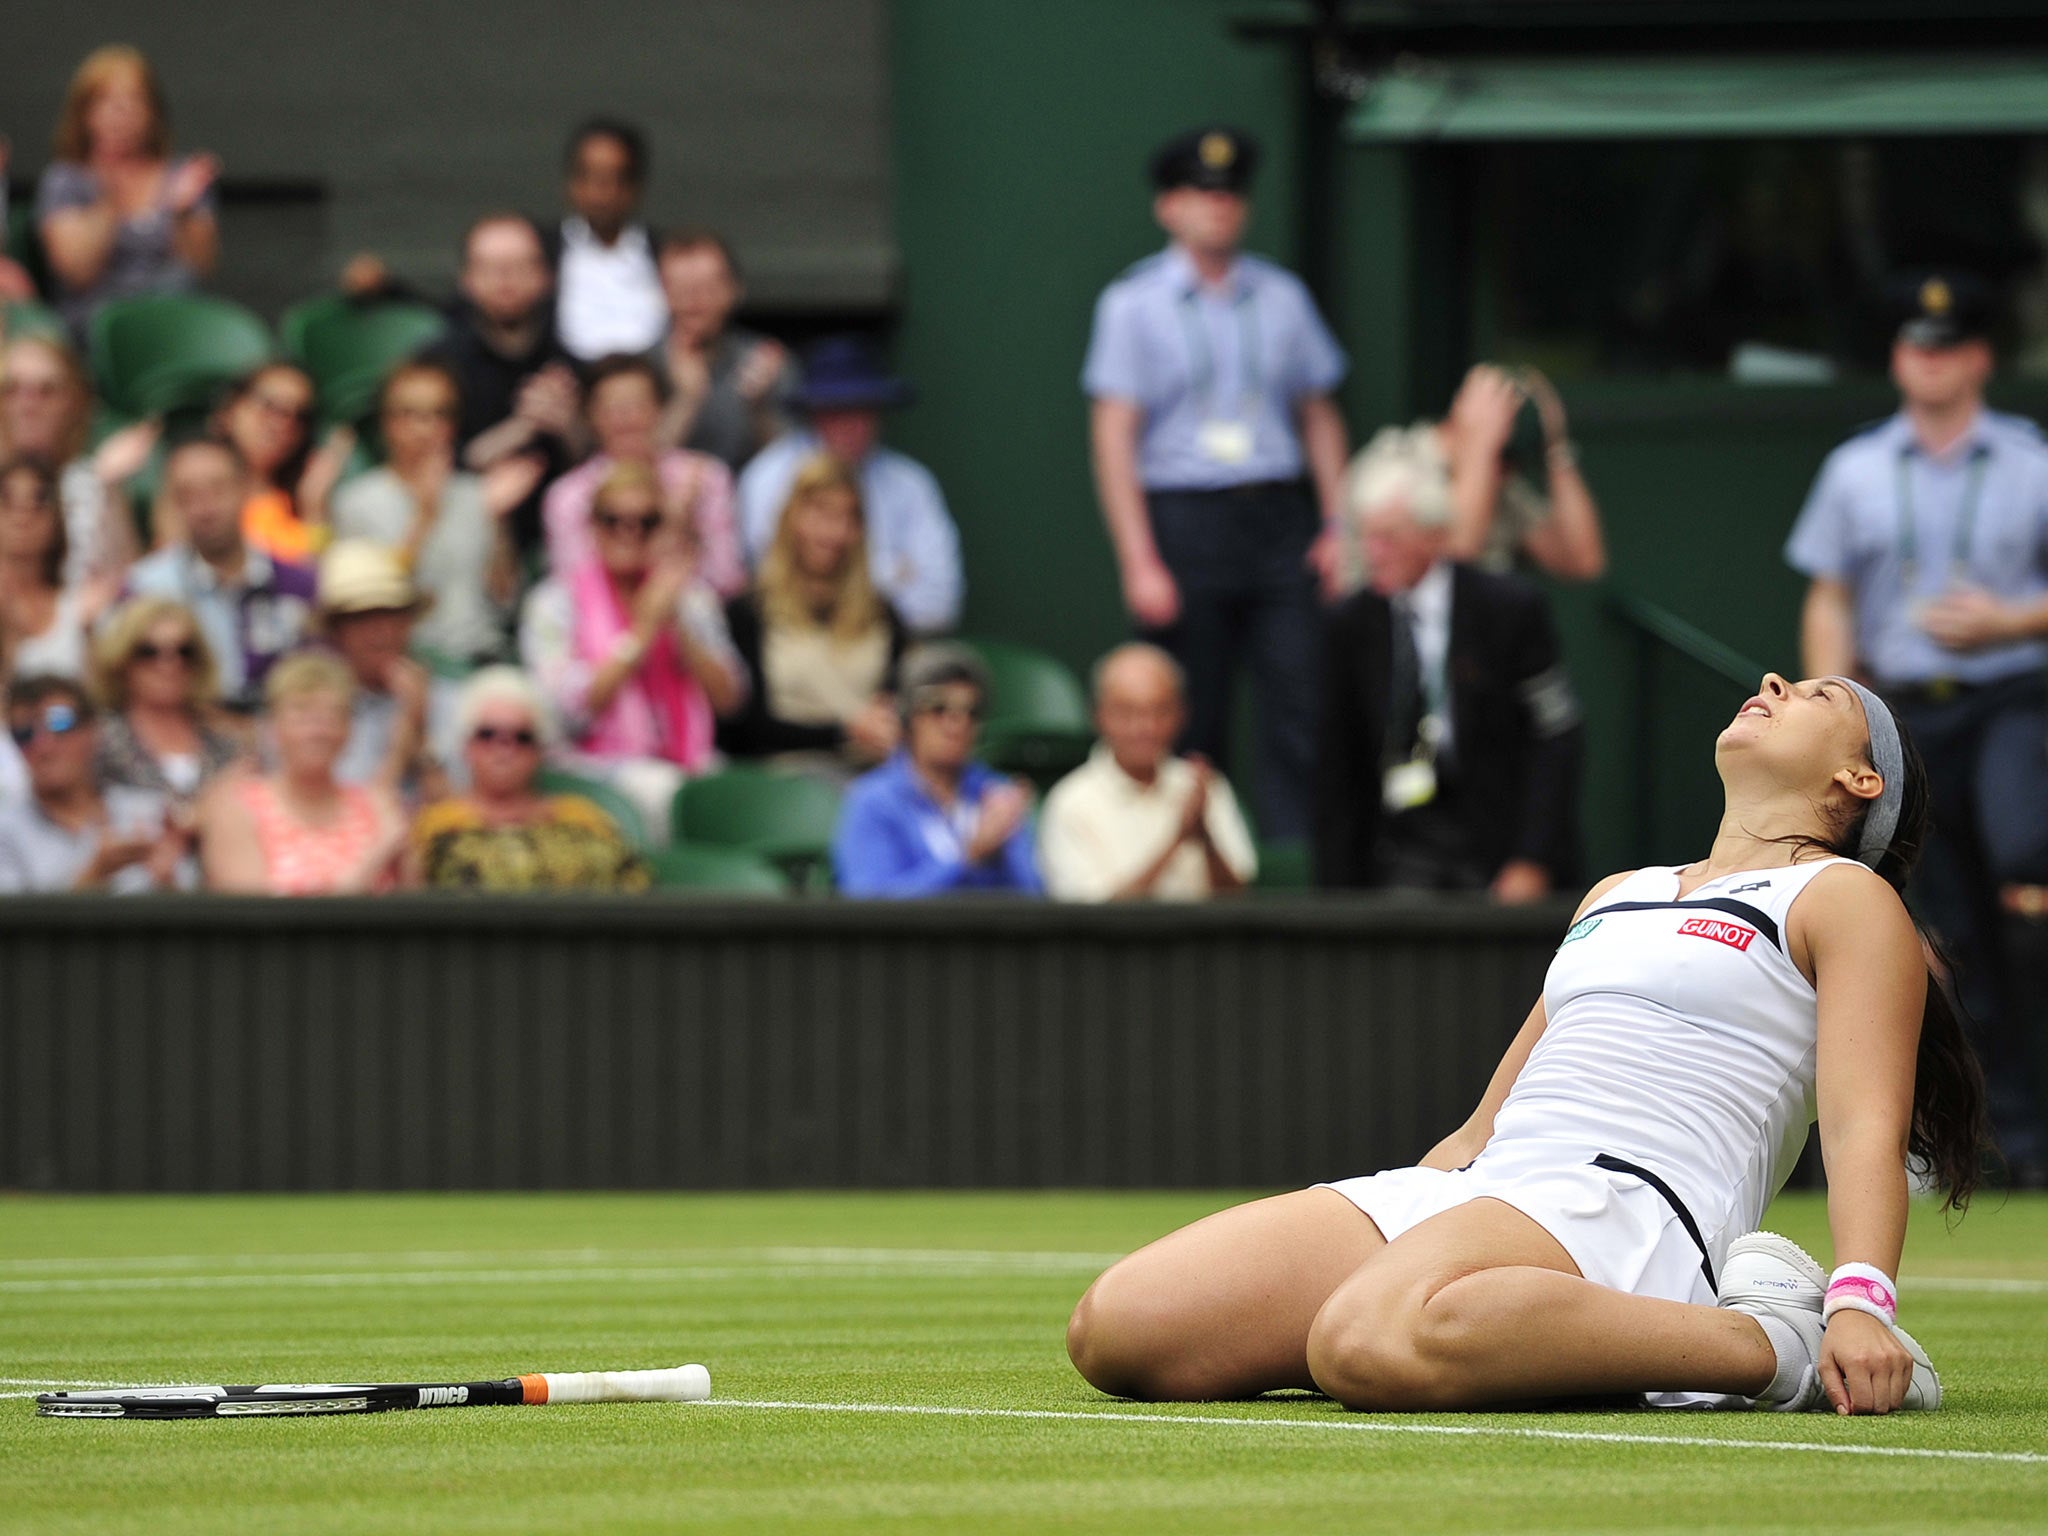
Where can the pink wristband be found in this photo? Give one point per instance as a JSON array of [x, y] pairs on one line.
[[1862, 1288]]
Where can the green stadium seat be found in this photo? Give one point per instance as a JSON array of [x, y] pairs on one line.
[[1038, 719], [25, 317], [729, 871], [165, 352], [348, 346], [1284, 866], [785, 818], [554, 781]]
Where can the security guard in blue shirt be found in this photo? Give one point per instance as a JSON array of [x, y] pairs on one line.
[[1925, 539], [1219, 461]]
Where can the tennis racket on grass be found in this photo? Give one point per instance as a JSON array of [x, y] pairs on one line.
[[681, 1384]]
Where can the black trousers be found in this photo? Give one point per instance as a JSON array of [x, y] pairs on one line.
[[1247, 599], [1986, 750]]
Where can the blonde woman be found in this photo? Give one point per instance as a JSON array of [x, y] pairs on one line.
[[119, 215], [818, 639], [299, 831], [158, 678]]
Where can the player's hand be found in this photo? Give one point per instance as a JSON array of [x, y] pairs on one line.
[[1863, 1367], [1967, 619], [1150, 594]]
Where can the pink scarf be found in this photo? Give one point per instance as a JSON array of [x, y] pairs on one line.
[[661, 710]]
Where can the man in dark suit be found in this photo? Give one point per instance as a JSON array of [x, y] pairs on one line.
[[1449, 741]]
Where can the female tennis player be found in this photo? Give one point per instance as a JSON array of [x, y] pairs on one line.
[[1590, 1230]]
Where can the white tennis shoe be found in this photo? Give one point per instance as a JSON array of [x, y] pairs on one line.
[[1924, 1395], [1767, 1275], [1778, 1283]]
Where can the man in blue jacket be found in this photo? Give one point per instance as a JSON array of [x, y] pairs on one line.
[[931, 820]]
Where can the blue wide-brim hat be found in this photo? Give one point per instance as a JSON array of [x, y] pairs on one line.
[[843, 373]]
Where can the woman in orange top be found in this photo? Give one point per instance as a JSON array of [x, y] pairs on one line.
[[298, 832], [268, 416]]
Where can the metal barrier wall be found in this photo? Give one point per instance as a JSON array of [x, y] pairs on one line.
[[420, 1043]]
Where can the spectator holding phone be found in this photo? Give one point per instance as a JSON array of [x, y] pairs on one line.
[[70, 834], [118, 213]]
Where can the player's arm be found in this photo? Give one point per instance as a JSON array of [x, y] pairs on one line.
[[1870, 976], [1470, 1139]]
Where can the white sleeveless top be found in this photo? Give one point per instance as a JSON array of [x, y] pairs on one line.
[[1680, 1039]]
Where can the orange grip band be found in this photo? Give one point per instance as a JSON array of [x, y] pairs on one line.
[[534, 1388]]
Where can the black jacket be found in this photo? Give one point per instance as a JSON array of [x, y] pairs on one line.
[[756, 730], [1513, 783]]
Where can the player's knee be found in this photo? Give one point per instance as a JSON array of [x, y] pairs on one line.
[[1376, 1358], [1118, 1341]]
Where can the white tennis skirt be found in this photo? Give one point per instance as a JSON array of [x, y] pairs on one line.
[[1619, 1228]]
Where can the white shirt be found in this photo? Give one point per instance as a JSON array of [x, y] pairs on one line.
[[1682, 1039], [1101, 828], [610, 295], [1427, 606]]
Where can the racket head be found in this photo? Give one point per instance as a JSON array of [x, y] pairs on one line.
[[210, 1402]]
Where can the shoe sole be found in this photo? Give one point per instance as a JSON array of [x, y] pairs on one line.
[[1920, 1362]]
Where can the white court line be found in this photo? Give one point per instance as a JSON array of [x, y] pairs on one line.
[[851, 1263], [1380, 1427], [1230, 1421], [993, 1258]]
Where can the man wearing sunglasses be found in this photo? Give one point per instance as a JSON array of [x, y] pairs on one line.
[[70, 835], [931, 820]]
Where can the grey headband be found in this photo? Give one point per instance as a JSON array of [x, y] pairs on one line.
[[1889, 759]]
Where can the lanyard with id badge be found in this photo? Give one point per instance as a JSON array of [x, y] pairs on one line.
[[1224, 437], [1966, 521], [1408, 780]]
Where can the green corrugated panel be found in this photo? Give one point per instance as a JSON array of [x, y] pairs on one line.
[[1693, 98]]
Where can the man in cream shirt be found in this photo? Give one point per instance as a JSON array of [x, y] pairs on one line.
[[1134, 820]]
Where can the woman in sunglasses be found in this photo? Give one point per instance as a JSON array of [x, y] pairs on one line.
[[505, 835], [43, 623], [631, 647], [268, 416], [932, 821], [157, 675]]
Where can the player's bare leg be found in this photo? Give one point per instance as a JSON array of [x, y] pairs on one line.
[[1221, 1308], [1480, 1305]]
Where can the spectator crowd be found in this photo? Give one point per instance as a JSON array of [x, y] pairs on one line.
[[589, 540]]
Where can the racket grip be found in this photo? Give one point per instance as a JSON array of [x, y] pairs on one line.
[[679, 1384]]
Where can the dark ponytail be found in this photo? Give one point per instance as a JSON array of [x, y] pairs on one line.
[[1951, 1132]]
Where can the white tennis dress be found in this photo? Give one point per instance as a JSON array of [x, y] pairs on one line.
[[1668, 1096]]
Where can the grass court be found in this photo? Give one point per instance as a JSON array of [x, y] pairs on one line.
[[883, 1363]]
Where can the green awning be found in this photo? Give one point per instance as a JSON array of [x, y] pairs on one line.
[[1651, 98]]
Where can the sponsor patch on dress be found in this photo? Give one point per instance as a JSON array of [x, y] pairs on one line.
[[1720, 930]]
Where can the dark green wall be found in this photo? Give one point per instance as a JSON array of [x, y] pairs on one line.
[[1022, 130]]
